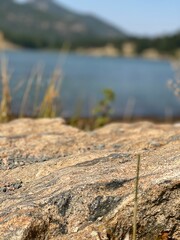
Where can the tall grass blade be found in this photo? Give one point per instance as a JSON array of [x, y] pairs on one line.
[[5, 104], [48, 106], [136, 199], [26, 93], [37, 89]]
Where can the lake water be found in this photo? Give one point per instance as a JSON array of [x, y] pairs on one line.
[[140, 85]]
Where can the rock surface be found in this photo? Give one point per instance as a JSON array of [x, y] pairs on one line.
[[58, 182]]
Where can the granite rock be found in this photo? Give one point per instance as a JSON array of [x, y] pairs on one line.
[[58, 182]]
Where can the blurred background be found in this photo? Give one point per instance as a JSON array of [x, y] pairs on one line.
[[90, 62]]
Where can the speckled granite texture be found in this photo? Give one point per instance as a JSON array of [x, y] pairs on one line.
[[58, 182]]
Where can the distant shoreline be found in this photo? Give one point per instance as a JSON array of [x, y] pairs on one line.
[[96, 53], [107, 51], [6, 45], [111, 51]]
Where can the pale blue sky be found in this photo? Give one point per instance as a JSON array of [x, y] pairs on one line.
[[142, 17]]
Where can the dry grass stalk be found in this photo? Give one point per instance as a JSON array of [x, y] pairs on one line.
[[136, 200], [175, 84], [18, 87], [37, 89], [5, 105], [26, 94], [48, 106]]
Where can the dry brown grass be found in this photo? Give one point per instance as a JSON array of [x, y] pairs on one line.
[[48, 106], [26, 93], [38, 88], [136, 199], [5, 104], [175, 84]]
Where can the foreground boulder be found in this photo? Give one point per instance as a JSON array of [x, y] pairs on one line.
[[58, 182]]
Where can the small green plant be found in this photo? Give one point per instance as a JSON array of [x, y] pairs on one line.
[[103, 109], [75, 120], [5, 104]]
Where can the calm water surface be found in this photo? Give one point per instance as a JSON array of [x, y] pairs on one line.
[[140, 85]]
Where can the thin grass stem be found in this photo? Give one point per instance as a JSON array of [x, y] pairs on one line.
[[26, 94], [37, 89], [5, 104], [136, 199]]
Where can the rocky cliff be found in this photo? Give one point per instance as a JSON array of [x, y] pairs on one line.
[[58, 182]]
